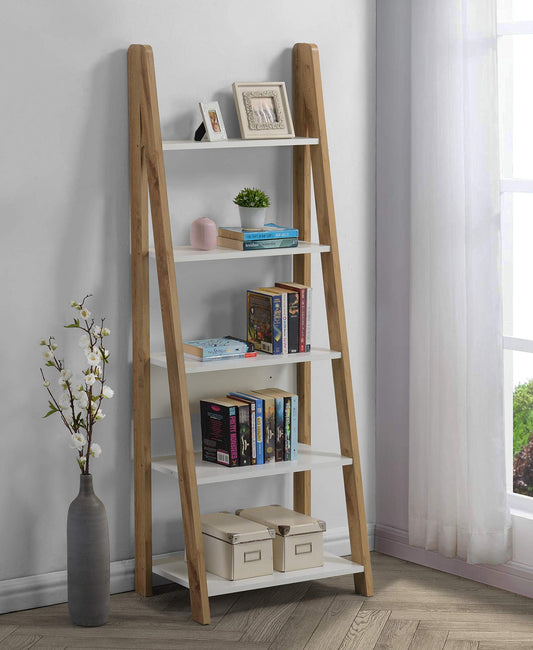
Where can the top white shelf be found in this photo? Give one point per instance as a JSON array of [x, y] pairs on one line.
[[235, 143]]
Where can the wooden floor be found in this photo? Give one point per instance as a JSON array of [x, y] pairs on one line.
[[414, 607]]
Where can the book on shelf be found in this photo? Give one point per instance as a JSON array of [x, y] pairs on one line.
[[218, 348], [252, 420], [257, 245], [264, 310], [219, 422], [268, 231], [279, 422], [226, 431], [244, 437], [304, 319], [290, 421], [290, 317], [269, 424]]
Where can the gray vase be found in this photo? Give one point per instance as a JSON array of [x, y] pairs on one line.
[[88, 557]]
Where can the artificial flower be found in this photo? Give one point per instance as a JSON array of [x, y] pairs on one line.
[[90, 378], [108, 392], [97, 330], [106, 331], [84, 341], [78, 440], [96, 450], [93, 358], [85, 313], [48, 355], [99, 415], [64, 400], [83, 399]]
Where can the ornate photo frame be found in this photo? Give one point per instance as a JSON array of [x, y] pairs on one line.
[[263, 110]]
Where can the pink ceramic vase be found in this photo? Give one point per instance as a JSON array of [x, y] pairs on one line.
[[204, 234]]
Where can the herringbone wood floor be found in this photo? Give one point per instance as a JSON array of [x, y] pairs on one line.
[[414, 608]]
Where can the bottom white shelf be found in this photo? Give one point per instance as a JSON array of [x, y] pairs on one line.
[[174, 568]]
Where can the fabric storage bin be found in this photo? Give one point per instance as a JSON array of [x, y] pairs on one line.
[[298, 543], [236, 548]]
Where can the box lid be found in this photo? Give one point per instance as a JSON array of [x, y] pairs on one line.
[[284, 521], [234, 530]]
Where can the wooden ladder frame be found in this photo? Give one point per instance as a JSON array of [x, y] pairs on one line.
[[147, 178]]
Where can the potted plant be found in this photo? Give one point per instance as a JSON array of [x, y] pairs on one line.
[[79, 406], [252, 204]]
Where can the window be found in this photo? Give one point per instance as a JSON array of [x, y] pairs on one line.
[[515, 61]]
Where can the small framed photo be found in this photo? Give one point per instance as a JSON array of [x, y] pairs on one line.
[[263, 110], [213, 122]]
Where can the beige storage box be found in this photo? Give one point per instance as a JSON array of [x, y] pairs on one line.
[[236, 548], [299, 539]]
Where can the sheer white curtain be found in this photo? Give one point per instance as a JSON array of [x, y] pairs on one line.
[[457, 492]]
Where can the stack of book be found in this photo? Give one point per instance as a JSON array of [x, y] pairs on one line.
[[227, 347], [252, 427], [279, 318], [269, 236]]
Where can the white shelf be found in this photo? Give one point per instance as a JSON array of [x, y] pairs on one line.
[[189, 254], [208, 473], [235, 143], [174, 568], [194, 365]]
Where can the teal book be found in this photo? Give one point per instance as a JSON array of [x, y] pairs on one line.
[[268, 231]]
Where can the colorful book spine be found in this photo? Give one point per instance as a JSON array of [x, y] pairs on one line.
[[245, 437], [287, 423], [308, 319], [269, 425], [294, 427], [265, 321], [280, 429], [250, 401], [305, 294], [293, 320], [219, 433], [258, 430]]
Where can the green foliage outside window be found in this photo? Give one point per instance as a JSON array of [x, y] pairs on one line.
[[522, 438]]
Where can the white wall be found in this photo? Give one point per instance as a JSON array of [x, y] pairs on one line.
[[65, 207]]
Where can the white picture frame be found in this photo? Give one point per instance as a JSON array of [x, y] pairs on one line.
[[263, 110], [213, 122]]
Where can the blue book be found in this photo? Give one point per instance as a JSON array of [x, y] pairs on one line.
[[268, 231], [215, 348], [260, 455]]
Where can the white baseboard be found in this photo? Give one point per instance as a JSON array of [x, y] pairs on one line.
[[512, 576], [51, 588]]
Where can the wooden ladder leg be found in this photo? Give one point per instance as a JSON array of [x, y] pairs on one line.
[[301, 171], [338, 336], [140, 334], [151, 133]]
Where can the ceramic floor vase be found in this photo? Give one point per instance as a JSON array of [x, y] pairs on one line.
[[88, 557]]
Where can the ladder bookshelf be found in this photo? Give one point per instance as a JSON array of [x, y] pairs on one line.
[[148, 183]]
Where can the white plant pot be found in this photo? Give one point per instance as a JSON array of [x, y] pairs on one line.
[[252, 218]]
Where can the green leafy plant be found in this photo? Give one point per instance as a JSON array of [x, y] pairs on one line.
[[251, 197], [522, 415]]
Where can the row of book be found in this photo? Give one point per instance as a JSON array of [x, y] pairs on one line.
[[279, 318], [269, 236], [250, 427]]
